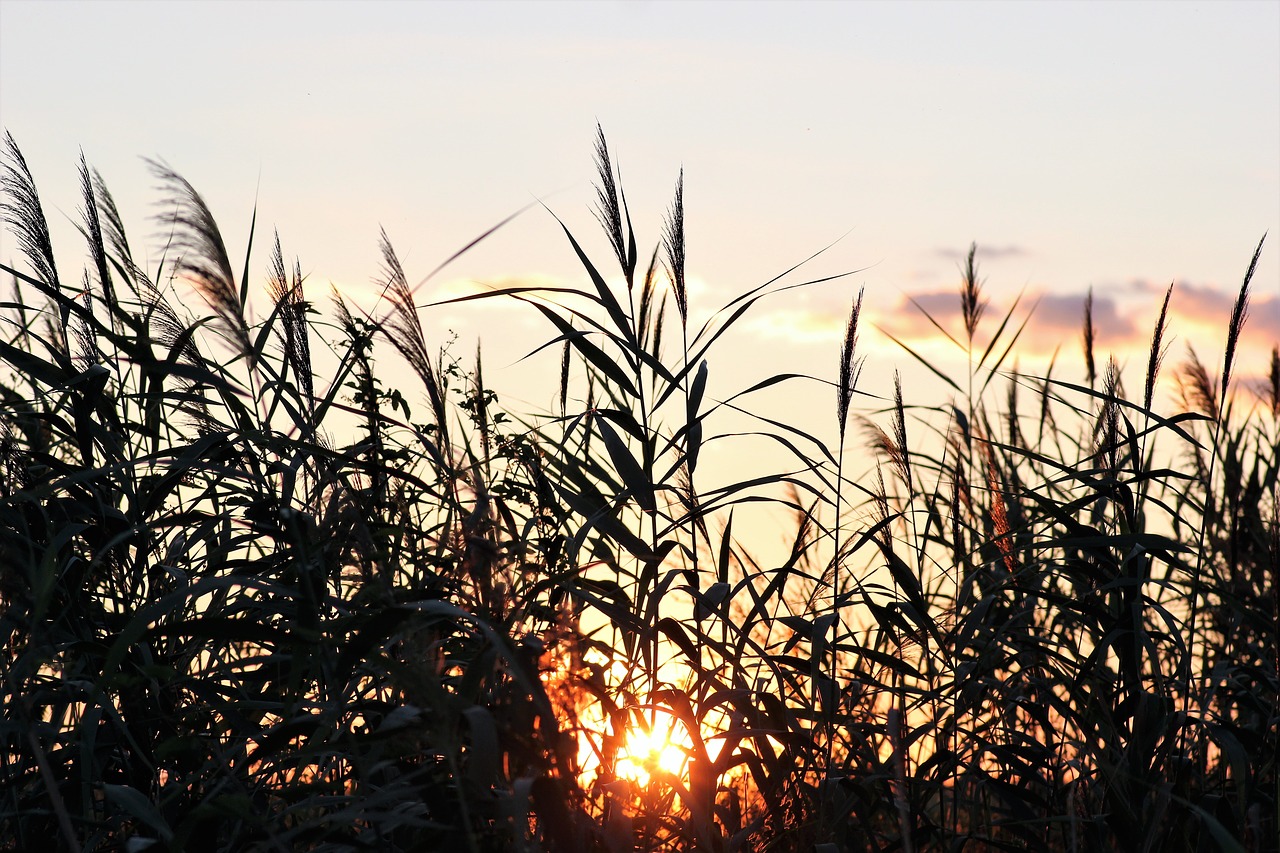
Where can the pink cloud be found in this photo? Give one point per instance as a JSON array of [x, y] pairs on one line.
[[1062, 315], [1208, 308], [1057, 321], [1264, 320], [1120, 321]]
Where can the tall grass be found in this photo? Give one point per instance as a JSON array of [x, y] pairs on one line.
[[253, 599]]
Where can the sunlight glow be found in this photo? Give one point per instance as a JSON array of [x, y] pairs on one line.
[[655, 743]]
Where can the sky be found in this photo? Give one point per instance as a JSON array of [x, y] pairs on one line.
[[1114, 146]]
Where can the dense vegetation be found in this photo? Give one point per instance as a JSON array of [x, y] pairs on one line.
[[256, 598]]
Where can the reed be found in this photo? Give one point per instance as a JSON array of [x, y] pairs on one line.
[[255, 600]]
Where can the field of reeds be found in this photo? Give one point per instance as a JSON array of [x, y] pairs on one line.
[[256, 596]]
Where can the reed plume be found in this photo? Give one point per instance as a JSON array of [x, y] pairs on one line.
[[92, 228], [403, 327], [850, 366], [21, 208], [291, 308], [1239, 313], [673, 242], [972, 304], [610, 205], [903, 459], [1107, 430], [1157, 353], [113, 232], [1197, 390], [202, 255], [1090, 369]]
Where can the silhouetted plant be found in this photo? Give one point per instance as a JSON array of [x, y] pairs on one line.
[[251, 601]]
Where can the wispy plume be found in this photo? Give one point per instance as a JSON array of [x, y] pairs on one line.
[[673, 242], [167, 328], [113, 233], [1239, 313], [112, 223], [1090, 368], [891, 447], [286, 294], [87, 351], [1107, 430], [1002, 532], [1158, 350], [404, 328], [175, 335], [22, 210], [1011, 403], [20, 207], [971, 302], [609, 205], [1198, 390], [900, 432], [649, 332], [92, 224], [356, 332], [202, 254], [850, 366], [564, 377]]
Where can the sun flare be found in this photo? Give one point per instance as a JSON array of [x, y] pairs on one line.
[[655, 744]]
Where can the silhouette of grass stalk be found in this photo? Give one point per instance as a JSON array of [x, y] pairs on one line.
[[252, 598]]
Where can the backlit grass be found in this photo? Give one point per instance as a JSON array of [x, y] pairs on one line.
[[258, 599]]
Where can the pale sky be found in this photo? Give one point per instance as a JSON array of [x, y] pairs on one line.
[[1121, 146]]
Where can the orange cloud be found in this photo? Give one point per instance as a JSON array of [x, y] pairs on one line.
[[1210, 308], [1057, 320], [1124, 317]]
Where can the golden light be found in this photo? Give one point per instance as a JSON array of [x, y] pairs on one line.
[[655, 742]]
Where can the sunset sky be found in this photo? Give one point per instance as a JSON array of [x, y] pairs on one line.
[[1121, 146]]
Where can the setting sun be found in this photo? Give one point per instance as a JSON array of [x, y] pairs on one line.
[[656, 743]]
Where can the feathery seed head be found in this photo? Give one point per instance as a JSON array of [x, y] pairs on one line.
[[1090, 368], [1198, 391], [202, 254], [1239, 313], [1158, 349], [21, 209], [971, 302], [673, 241], [850, 365], [608, 205]]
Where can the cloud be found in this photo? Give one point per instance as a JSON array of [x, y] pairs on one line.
[[1264, 320], [1063, 316], [1057, 321], [1192, 300], [941, 305], [1207, 309], [985, 253], [1124, 316], [798, 325]]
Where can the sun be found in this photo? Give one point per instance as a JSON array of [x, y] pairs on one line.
[[655, 742]]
